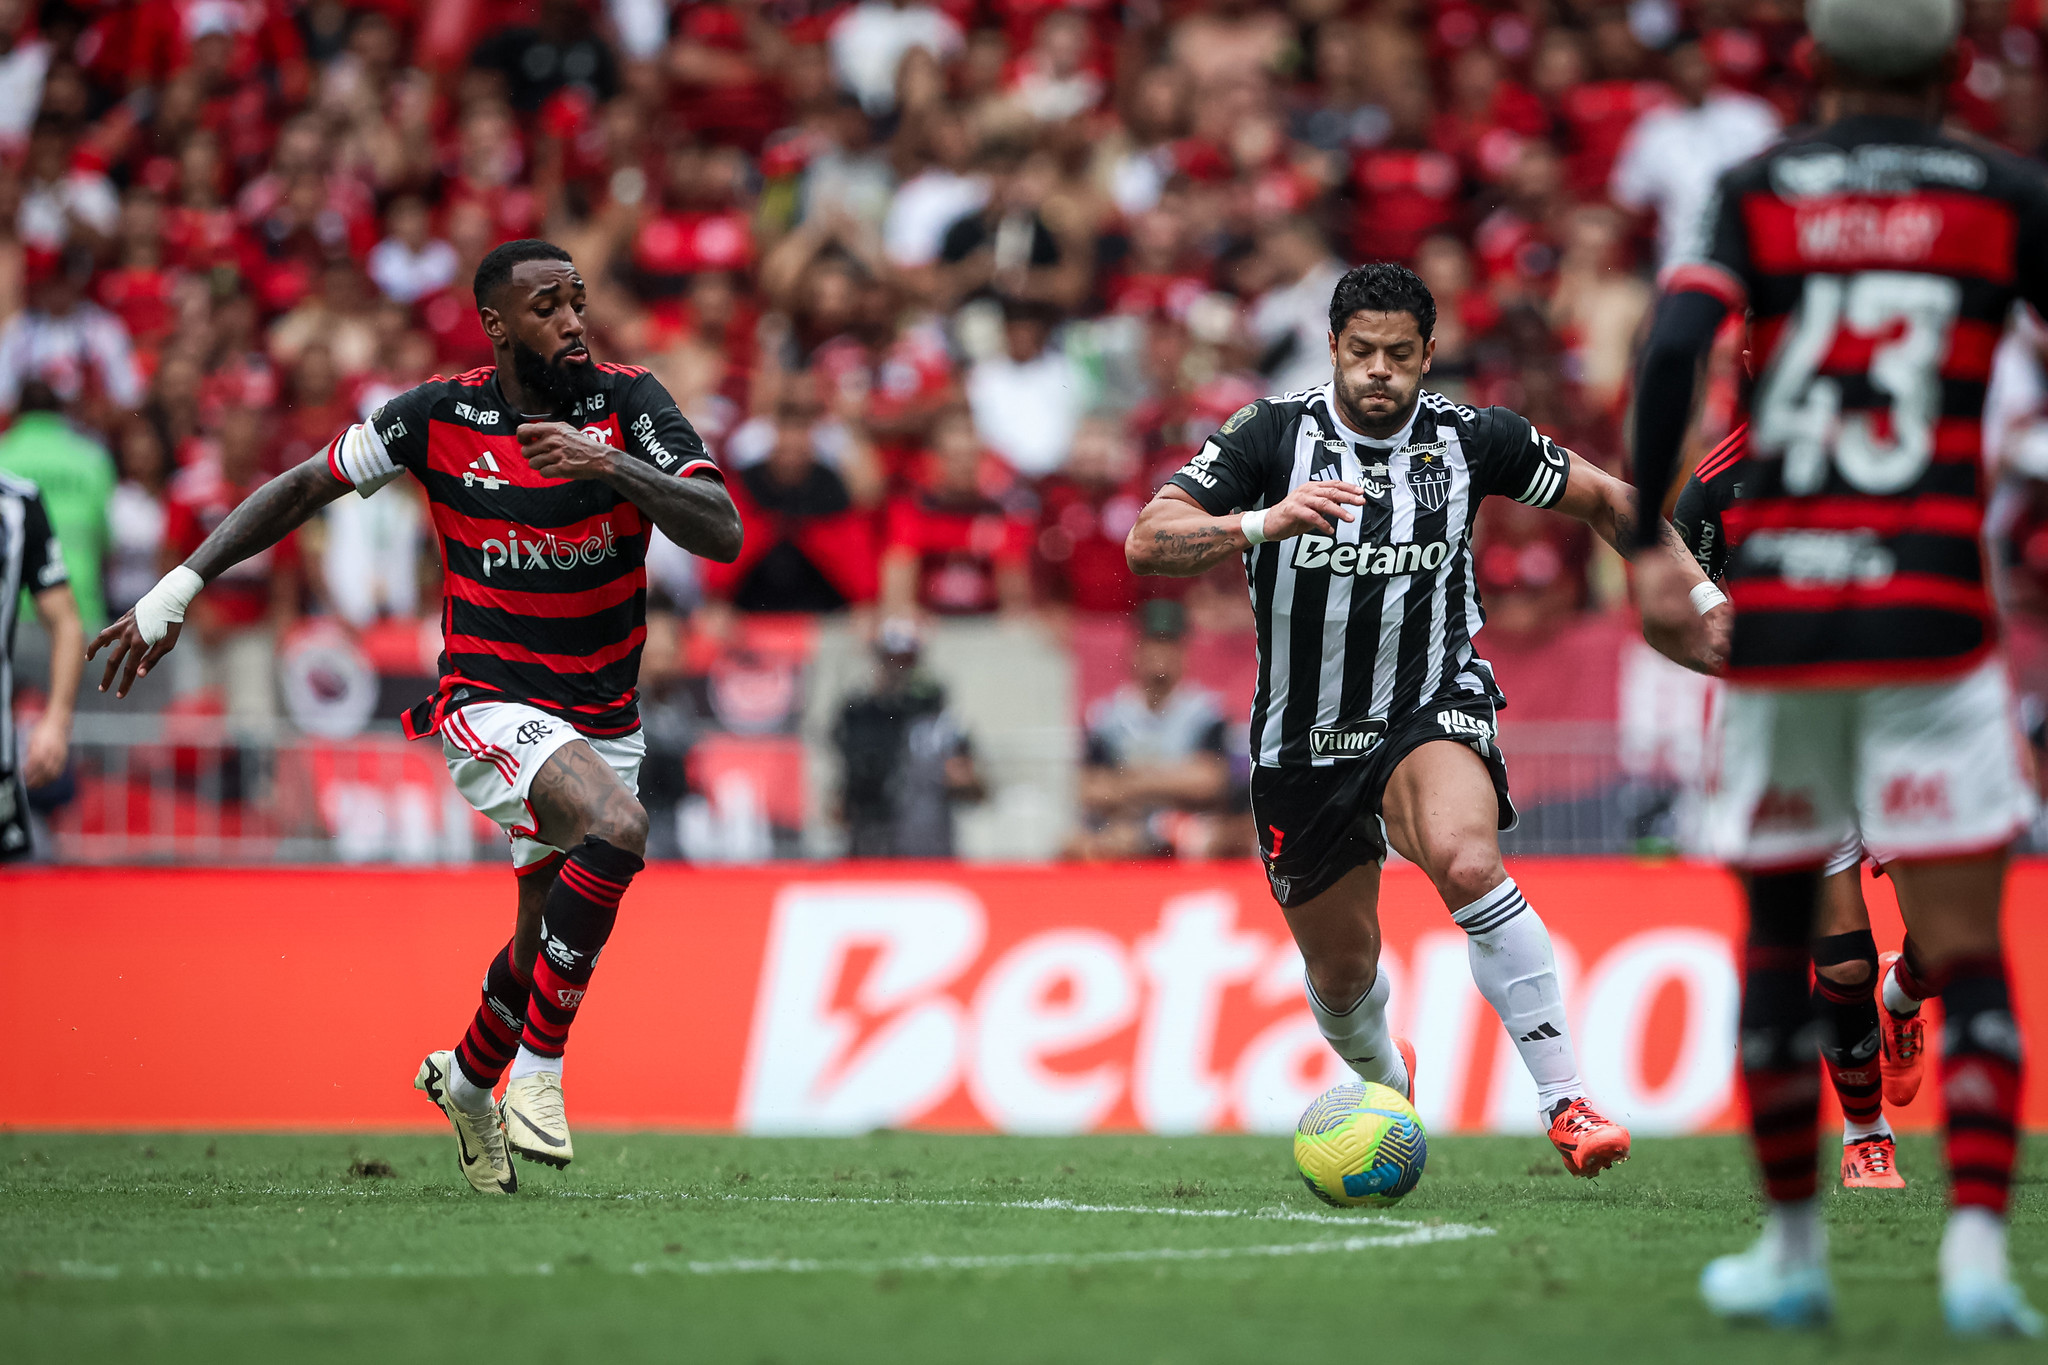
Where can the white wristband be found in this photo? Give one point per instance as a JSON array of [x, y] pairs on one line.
[[164, 605], [1254, 526], [1705, 597]]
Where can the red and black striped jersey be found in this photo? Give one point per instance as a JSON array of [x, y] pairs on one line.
[[1879, 261], [544, 598]]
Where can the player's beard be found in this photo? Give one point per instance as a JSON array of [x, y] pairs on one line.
[[1351, 405], [561, 385]]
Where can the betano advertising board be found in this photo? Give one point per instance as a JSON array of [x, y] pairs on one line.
[[841, 999]]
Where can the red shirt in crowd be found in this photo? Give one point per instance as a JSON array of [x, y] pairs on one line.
[[1081, 530], [1404, 194], [960, 544], [201, 497]]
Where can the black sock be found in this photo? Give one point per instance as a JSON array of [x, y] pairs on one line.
[[1848, 1017]]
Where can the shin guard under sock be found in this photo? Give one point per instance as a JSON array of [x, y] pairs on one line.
[[1848, 1033], [1516, 970], [1360, 1035], [582, 906], [486, 1050], [1980, 1082], [1779, 1078]]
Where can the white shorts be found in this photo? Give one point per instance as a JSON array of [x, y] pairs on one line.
[[1928, 771], [495, 748], [1846, 856]]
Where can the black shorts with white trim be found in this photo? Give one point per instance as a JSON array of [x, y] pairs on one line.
[[1316, 823]]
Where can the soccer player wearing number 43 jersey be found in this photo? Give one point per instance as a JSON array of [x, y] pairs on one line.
[[546, 473], [1878, 259], [1373, 723]]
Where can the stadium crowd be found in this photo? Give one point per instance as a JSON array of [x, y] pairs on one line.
[[948, 287]]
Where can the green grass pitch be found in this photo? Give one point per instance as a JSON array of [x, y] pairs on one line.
[[907, 1247]]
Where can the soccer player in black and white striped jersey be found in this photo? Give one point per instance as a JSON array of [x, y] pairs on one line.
[[1352, 505]]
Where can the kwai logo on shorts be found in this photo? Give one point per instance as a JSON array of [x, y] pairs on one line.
[[1346, 741]]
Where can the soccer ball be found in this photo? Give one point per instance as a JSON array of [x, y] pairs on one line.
[[1360, 1144]]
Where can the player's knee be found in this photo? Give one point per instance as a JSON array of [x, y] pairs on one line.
[[1846, 959], [1468, 874], [1341, 980], [622, 823]]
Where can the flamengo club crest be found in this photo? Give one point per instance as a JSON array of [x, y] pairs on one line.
[[1429, 474]]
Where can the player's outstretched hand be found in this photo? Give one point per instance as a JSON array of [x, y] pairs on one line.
[[1314, 506], [560, 451], [128, 652], [1671, 624]]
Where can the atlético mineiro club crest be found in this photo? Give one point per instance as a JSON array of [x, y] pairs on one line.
[[1429, 474]]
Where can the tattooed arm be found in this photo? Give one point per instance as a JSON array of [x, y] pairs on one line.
[[1675, 629], [261, 520], [1176, 538]]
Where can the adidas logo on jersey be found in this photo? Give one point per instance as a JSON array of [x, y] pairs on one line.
[[484, 470], [1323, 552]]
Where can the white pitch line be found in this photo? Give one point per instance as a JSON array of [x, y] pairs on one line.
[[1271, 1213], [1448, 1232], [237, 1270]]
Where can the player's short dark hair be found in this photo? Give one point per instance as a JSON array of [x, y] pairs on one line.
[[496, 266], [1382, 287]]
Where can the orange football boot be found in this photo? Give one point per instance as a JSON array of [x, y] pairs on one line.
[[1588, 1141], [1903, 1057], [1872, 1163], [1407, 1051]]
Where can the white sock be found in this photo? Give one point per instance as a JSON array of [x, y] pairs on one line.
[[1794, 1233], [1360, 1034], [1852, 1131], [527, 1063], [1895, 998], [1515, 970], [1973, 1246], [467, 1094]]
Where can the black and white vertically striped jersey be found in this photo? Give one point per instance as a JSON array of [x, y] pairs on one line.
[[30, 562], [1378, 620]]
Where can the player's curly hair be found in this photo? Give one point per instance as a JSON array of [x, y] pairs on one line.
[[496, 266], [1382, 287]]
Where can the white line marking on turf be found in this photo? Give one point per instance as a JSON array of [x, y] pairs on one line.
[[1448, 1232], [1415, 1236], [1272, 1212]]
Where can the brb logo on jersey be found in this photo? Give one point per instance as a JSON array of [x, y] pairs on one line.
[[547, 552], [1323, 552]]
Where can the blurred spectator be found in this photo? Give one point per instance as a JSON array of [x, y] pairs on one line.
[[336, 317], [942, 192], [1156, 760], [807, 547], [410, 263], [63, 203], [136, 514], [1598, 306], [559, 53], [76, 478], [1085, 511], [232, 629], [869, 41], [70, 343], [24, 58], [1005, 248], [1056, 79], [1027, 398], [905, 760], [1291, 320], [1674, 155], [951, 546], [370, 562], [1531, 568]]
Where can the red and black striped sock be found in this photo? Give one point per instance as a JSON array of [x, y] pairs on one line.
[[1980, 1082], [486, 1050], [1910, 971], [1848, 1017], [581, 908], [1779, 1078]]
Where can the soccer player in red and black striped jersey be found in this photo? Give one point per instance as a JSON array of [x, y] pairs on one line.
[[1878, 259], [546, 473]]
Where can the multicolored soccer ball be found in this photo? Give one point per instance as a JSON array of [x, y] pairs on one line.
[[1360, 1144]]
